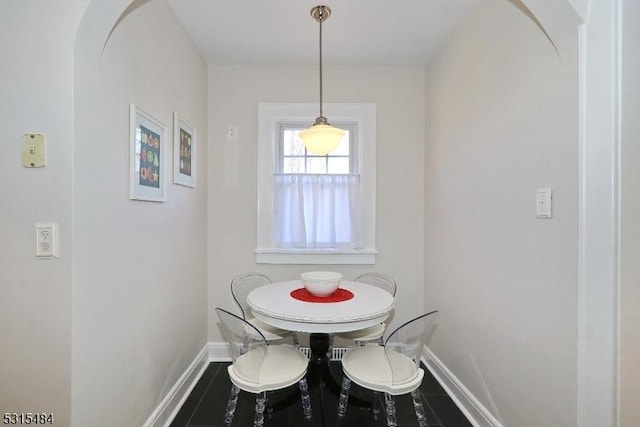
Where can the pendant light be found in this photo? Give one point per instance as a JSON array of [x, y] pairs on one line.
[[321, 138]]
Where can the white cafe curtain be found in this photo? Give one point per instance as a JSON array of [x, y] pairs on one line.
[[317, 211]]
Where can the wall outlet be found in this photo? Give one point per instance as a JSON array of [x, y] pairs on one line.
[[46, 240]]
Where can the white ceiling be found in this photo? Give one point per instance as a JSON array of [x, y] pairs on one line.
[[359, 32]]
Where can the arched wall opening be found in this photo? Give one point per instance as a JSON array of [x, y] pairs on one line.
[[99, 23], [139, 267]]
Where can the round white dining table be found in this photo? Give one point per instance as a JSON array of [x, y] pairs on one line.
[[274, 305]]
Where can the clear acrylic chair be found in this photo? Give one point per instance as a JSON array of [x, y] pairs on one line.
[[373, 333], [241, 286], [392, 368], [381, 280], [259, 367]]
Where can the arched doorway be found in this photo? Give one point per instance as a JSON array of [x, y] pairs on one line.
[[596, 349]]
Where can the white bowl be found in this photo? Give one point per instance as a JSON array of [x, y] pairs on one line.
[[321, 283]]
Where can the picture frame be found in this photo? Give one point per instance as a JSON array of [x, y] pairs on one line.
[[147, 156], [184, 152]]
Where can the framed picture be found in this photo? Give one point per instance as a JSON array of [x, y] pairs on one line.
[[147, 145], [184, 152]]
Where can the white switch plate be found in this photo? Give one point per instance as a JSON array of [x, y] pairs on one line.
[[34, 153], [543, 203], [46, 240]]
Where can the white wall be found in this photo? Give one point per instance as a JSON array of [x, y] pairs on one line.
[[36, 44], [139, 270], [501, 122], [629, 222], [234, 93]]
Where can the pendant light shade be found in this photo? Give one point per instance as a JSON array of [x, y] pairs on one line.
[[321, 138]]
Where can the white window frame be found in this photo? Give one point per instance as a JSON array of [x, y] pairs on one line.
[[270, 116]]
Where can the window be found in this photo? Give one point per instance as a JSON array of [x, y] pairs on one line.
[[316, 199], [316, 209]]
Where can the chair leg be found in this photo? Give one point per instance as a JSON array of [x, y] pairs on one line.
[[419, 407], [391, 410], [231, 406], [296, 340], [261, 398], [376, 404], [306, 400], [268, 407], [344, 397]]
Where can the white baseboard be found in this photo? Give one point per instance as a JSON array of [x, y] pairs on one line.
[[470, 406], [166, 411], [219, 352]]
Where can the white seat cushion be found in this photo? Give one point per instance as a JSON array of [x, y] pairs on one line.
[[376, 368], [371, 333], [281, 367]]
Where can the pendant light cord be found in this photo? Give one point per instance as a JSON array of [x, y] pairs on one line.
[[321, 19]]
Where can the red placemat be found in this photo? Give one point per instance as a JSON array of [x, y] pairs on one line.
[[338, 296]]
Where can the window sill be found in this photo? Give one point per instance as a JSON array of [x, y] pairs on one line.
[[310, 256]]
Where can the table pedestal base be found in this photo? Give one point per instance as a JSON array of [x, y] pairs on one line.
[[318, 371], [319, 344], [319, 377]]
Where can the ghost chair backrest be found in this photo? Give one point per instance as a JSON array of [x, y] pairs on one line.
[[410, 338], [242, 285], [380, 280], [248, 345]]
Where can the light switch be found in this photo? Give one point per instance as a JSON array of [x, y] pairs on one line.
[[543, 203], [34, 150]]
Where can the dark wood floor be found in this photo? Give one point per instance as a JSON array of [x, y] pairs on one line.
[[205, 406]]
